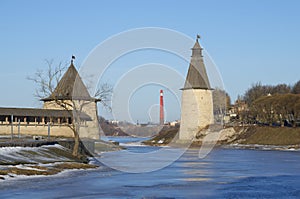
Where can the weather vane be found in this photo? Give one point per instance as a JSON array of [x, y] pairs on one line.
[[198, 37]]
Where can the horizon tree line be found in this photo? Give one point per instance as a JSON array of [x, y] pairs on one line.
[[277, 105]]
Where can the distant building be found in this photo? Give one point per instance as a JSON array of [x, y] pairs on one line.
[[196, 102], [175, 123], [35, 121], [237, 108], [236, 112], [115, 122]]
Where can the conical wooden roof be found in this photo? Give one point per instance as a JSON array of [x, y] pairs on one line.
[[70, 87], [197, 77]]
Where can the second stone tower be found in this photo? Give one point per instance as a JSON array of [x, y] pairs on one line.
[[196, 102]]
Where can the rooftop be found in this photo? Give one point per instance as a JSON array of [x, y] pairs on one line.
[[70, 87], [197, 77], [34, 112]]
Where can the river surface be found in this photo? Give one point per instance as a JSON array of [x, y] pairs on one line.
[[224, 173]]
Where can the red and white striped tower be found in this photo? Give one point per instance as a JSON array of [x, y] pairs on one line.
[[161, 105]]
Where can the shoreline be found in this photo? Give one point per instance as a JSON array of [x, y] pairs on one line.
[[261, 147], [43, 160], [47, 158], [237, 146], [23, 169], [251, 137]]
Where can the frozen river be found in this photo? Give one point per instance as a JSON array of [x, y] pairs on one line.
[[224, 173]]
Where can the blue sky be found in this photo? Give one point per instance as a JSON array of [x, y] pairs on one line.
[[250, 41]]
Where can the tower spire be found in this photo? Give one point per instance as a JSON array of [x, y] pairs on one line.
[[197, 77]]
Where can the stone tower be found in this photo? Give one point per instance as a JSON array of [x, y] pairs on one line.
[[70, 89], [196, 102]]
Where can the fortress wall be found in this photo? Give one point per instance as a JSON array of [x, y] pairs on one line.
[[63, 131]]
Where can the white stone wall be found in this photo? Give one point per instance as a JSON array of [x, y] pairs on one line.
[[57, 130], [52, 105], [92, 130], [196, 112]]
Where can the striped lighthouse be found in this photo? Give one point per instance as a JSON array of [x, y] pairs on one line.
[[161, 110]]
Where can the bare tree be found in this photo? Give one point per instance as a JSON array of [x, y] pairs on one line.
[[296, 88], [73, 101], [221, 101], [281, 89], [47, 80], [256, 91]]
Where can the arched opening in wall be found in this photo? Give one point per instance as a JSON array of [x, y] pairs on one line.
[[2, 119], [38, 120], [30, 119], [70, 121], [46, 120], [55, 120]]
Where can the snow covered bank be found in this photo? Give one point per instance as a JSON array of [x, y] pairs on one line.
[[31, 161]]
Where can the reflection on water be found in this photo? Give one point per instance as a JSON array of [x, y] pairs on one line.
[[224, 173], [196, 179]]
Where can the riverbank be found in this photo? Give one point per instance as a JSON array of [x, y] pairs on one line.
[[42, 160], [265, 135], [27, 157], [241, 135]]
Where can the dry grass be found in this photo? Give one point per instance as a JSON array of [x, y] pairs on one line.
[[29, 172], [167, 135], [3, 172], [42, 170], [271, 136], [38, 167], [74, 165]]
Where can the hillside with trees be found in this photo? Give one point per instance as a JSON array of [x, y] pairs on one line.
[[109, 129], [277, 105]]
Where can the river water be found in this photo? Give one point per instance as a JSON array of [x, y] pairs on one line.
[[224, 173]]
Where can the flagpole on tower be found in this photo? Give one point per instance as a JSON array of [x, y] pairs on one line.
[[73, 58], [198, 37]]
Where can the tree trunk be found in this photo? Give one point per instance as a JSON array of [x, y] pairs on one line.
[[76, 127], [76, 144]]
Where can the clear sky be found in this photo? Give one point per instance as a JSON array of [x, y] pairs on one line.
[[249, 40]]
